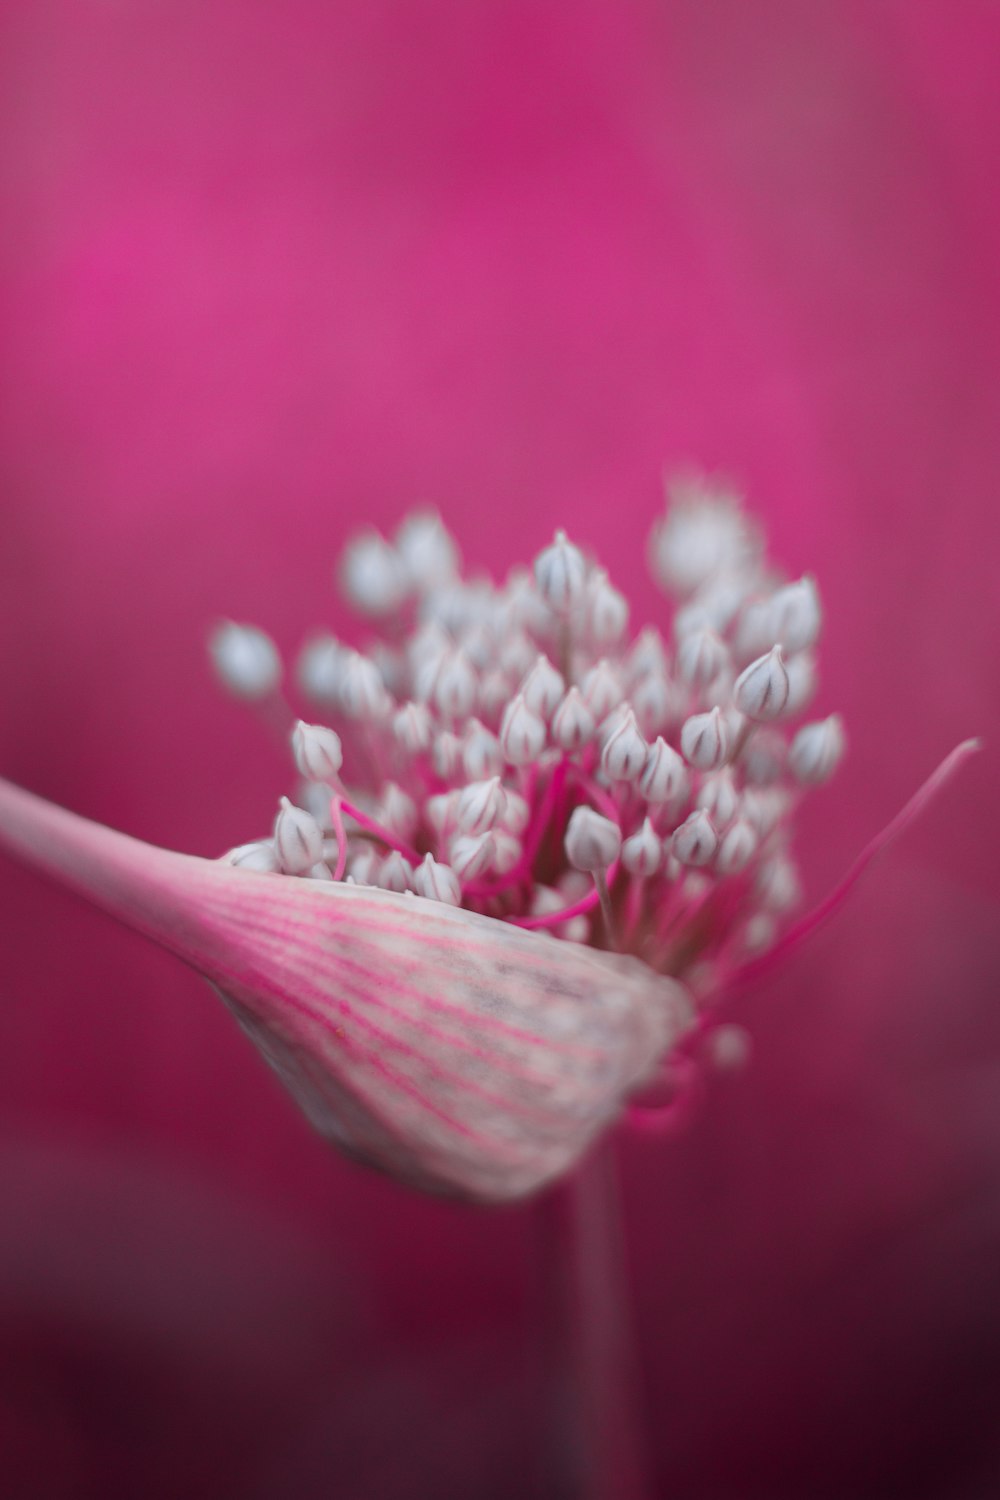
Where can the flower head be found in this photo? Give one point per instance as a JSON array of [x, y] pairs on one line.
[[523, 859]]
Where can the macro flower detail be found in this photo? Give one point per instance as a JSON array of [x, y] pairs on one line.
[[524, 860], [246, 659], [459, 1054]]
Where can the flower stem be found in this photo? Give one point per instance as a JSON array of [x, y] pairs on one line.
[[584, 1230]]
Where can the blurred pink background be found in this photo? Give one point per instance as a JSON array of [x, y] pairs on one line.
[[269, 271]]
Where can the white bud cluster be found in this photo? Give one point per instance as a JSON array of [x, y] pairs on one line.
[[377, 576], [317, 751], [504, 747]]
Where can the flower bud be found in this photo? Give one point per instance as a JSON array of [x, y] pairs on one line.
[[763, 807], [372, 575], [518, 654], [777, 883], [602, 689], [437, 882], [572, 723], [426, 550], [440, 810], [446, 756], [315, 797], [592, 841], [522, 733], [609, 726], [364, 865], [454, 607], [246, 659], [796, 615], [715, 605], [737, 848], [362, 692], [429, 642], [695, 841], [543, 688], [413, 728], [560, 574], [391, 665], [606, 610], [625, 751], [704, 534], [471, 854], [761, 689], [317, 751], [396, 811], [481, 753], [319, 871], [705, 740], [642, 853], [754, 629], [480, 806], [817, 749], [259, 856], [647, 655], [494, 695], [763, 758], [701, 656], [455, 686], [298, 839], [654, 701], [318, 668], [664, 776], [719, 798], [507, 850], [479, 645], [522, 606], [516, 814], [395, 873], [425, 674]]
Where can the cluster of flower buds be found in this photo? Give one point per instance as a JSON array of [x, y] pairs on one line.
[[503, 764], [513, 750]]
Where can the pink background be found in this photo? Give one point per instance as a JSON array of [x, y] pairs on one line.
[[270, 270]]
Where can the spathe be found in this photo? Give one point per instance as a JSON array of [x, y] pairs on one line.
[[461, 1054]]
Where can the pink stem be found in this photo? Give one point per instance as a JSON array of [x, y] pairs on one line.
[[337, 821], [633, 907], [597, 795], [588, 1231], [831, 903], [540, 821], [553, 918], [482, 890], [153, 891], [380, 833]]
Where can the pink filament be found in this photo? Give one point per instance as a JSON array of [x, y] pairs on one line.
[[375, 828], [607, 806], [831, 903], [553, 918], [336, 818]]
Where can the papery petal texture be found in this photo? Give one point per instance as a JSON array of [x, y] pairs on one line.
[[457, 1052]]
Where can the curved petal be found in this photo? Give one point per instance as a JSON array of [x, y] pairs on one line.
[[460, 1053]]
